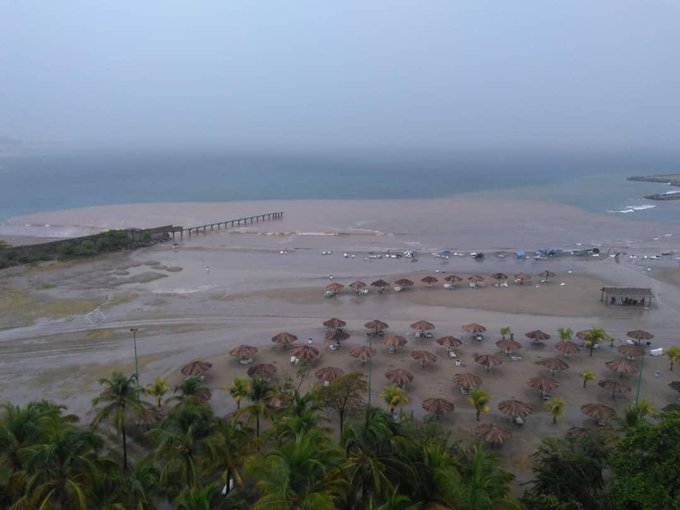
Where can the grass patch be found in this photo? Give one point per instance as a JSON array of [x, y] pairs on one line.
[[19, 308], [45, 286]]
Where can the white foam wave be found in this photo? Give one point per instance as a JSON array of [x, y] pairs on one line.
[[631, 209]]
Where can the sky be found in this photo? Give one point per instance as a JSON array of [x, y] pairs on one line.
[[350, 74]]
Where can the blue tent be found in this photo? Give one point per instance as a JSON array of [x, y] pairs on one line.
[[520, 254]]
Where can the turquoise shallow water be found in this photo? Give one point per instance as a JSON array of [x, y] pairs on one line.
[[594, 182]]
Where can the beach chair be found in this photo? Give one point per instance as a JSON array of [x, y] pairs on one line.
[[472, 285], [463, 390], [334, 347], [518, 420], [452, 354], [478, 337], [363, 292], [448, 286], [515, 357], [504, 284], [328, 294], [397, 289]]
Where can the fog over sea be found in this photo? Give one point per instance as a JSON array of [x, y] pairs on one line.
[[595, 182]]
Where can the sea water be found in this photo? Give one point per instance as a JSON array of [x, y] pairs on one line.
[[56, 180]]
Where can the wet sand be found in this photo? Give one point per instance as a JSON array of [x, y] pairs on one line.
[[65, 325]]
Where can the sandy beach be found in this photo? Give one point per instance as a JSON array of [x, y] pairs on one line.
[[63, 325]]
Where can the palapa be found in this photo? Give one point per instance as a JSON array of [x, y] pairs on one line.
[[583, 334], [196, 368], [515, 408], [403, 283], [243, 351], [362, 352], [265, 370], [437, 406], [537, 335], [305, 352], [467, 380], [492, 433], [631, 351], [376, 325], [614, 386], [553, 364], [488, 360], [599, 412], [423, 357], [422, 326], [429, 280], [148, 417], [623, 366], [522, 277], [335, 323], [449, 342], [567, 347], [336, 336], [474, 328], [394, 341], [329, 374], [546, 275], [500, 276], [335, 286], [357, 285], [508, 345], [452, 278], [399, 376], [381, 284], [544, 384], [638, 335], [284, 339]]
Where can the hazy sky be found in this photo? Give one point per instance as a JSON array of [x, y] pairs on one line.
[[322, 73]]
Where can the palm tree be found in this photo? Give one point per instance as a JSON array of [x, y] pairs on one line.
[[203, 498], [191, 391], [588, 375], [186, 440], [634, 413], [232, 447], [594, 337], [239, 389], [556, 407], [119, 398], [302, 414], [505, 331], [303, 473], [673, 354], [157, 389], [60, 472], [485, 484], [394, 397], [479, 398], [566, 334], [261, 395]]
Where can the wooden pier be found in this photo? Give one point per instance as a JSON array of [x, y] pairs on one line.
[[230, 223]]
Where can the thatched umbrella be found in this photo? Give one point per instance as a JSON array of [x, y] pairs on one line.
[[394, 341], [245, 352], [508, 345], [614, 386], [492, 433], [467, 380], [423, 357], [403, 283], [515, 408], [583, 334], [305, 352], [474, 328], [553, 364], [265, 370], [537, 336], [476, 279], [422, 326], [335, 286], [500, 277], [336, 336], [639, 335], [329, 374], [357, 285], [437, 406], [449, 342], [362, 352], [488, 360], [335, 323], [577, 431], [522, 277], [196, 368], [631, 351], [429, 280], [544, 384], [380, 284], [148, 417], [399, 376], [599, 412], [376, 325], [284, 339], [546, 275], [567, 347], [452, 278], [623, 366]]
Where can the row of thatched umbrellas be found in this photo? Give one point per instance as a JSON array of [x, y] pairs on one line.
[[429, 280]]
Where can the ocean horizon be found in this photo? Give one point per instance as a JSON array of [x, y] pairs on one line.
[[594, 182]]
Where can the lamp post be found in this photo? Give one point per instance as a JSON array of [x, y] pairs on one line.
[[370, 365], [134, 341], [637, 396]]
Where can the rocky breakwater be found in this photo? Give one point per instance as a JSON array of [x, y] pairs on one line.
[[669, 179]]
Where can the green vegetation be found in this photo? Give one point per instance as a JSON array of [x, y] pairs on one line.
[[276, 452]]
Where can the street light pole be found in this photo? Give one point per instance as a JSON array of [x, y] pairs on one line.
[[134, 340], [637, 397], [370, 365]]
